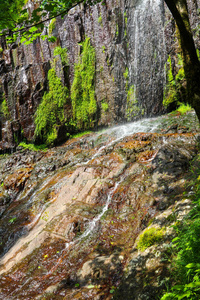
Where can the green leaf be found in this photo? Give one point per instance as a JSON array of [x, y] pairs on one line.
[[91, 286], [186, 294], [191, 265], [51, 39], [32, 29]]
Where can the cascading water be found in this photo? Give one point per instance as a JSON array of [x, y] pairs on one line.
[[147, 58], [101, 196]]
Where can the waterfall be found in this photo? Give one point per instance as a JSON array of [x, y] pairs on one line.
[[147, 56]]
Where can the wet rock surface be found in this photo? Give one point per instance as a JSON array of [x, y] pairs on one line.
[[70, 216]]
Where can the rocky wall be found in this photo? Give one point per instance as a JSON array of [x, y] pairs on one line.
[[130, 44]]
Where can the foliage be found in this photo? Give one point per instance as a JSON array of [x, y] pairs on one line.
[[33, 147], [186, 271], [10, 13], [82, 90], [63, 54], [183, 108], [174, 91], [80, 134], [126, 77], [100, 20], [104, 106], [50, 112], [4, 108], [170, 90], [17, 20], [150, 237], [132, 109], [52, 26]]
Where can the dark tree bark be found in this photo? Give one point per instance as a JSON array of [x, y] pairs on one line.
[[191, 63]]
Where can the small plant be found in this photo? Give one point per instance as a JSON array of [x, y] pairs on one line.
[[100, 20], [52, 26], [104, 106], [4, 108], [63, 54], [33, 147], [183, 108], [12, 220], [103, 49], [149, 237], [80, 134], [117, 30], [132, 108], [126, 77]]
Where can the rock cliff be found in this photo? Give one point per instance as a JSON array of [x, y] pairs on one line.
[[129, 40]]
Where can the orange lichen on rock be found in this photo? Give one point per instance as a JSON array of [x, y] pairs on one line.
[[147, 156], [134, 145], [18, 179]]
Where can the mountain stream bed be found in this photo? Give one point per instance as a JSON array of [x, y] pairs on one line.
[[70, 216]]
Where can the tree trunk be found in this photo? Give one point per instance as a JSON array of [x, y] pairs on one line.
[[191, 63]]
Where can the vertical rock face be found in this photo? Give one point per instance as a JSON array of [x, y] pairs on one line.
[[129, 41]]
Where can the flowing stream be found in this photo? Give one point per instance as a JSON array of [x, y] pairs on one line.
[[98, 194]]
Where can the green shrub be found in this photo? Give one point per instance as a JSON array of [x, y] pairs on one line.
[[50, 112], [186, 260], [83, 91], [149, 237]]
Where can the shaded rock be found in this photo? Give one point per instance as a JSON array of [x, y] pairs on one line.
[[99, 269]]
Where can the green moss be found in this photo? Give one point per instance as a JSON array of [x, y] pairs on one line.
[[52, 26], [104, 106], [50, 112], [33, 147], [100, 20], [150, 237], [117, 30], [125, 24], [4, 108], [63, 55], [126, 77], [184, 108], [83, 90], [132, 109], [198, 55], [80, 134], [174, 91]]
